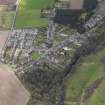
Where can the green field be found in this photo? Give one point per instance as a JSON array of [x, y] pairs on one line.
[[28, 14], [98, 98], [35, 55], [87, 72]]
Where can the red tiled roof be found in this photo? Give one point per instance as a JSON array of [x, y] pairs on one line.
[[7, 2]]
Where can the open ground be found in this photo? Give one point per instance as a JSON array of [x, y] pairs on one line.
[[7, 2], [7, 12], [12, 91]]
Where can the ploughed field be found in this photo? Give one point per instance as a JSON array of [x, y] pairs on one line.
[[12, 91], [28, 14], [7, 2]]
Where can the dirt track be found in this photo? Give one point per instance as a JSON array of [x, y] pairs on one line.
[[12, 91]]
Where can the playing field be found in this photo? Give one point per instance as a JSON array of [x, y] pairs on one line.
[[12, 91], [29, 13]]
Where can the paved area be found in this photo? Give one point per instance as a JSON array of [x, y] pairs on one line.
[[12, 91]]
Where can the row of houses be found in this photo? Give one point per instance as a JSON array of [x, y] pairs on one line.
[[19, 44], [93, 21]]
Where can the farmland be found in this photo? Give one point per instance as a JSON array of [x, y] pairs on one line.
[[28, 14], [12, 92], [6, 19], [90, 70], [98, 97], [7, 11]]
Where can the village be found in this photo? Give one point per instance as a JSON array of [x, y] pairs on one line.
[[23, 43], [38, 54]]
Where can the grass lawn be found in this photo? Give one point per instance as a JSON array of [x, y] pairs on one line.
[[35, 55], [89, 70], [29, 13]]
